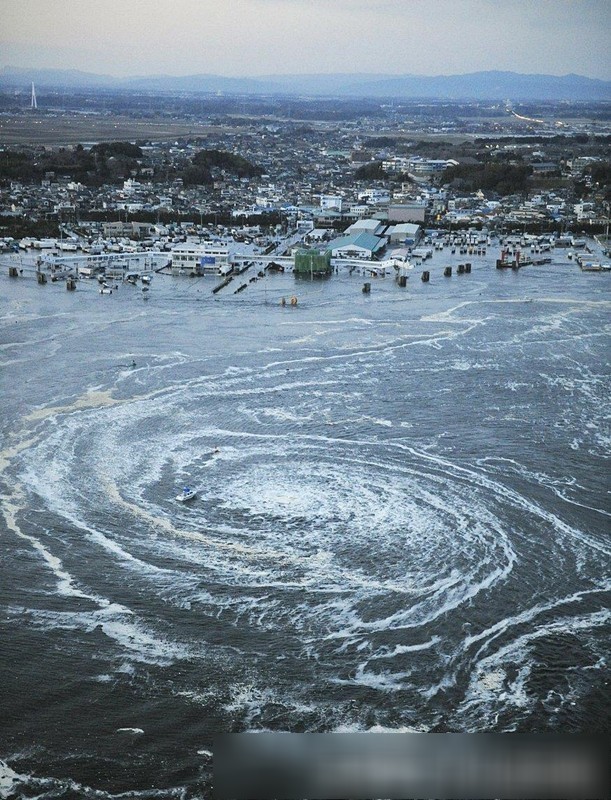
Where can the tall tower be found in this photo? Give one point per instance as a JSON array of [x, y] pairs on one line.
[[34, 103]]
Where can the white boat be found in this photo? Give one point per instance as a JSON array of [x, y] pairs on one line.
[[187, 494]]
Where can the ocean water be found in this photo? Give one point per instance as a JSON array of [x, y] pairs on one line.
[[402, 519]]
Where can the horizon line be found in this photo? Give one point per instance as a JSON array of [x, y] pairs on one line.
[[268, 75]]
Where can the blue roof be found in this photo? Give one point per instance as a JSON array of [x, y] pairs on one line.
[[364, 239]]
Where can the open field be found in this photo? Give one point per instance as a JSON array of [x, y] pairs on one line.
[[70, 128], [24, 129], [27, 128]]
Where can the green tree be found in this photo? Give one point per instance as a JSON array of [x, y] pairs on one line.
[[370, 172]]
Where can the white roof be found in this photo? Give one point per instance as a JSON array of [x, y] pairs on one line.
[[399, 252], [406, 227], [373, 226], [365, 224]]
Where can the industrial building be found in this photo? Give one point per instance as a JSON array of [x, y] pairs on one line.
[[357, 245], [373, 226], [407, 212], [406, 233]]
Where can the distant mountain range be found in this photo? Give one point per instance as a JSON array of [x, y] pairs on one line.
[[494, 85]]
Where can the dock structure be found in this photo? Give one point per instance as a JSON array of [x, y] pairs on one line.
[[604, 242], [239, 260], [592, 266], [69, 266], [517, 259], [87, 266], [512, 260], [361, 265]]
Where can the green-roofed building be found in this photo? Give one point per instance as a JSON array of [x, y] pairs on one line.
[[312, 264], [357, 245]]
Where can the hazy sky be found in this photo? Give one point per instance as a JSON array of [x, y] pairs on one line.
[[257, 37]]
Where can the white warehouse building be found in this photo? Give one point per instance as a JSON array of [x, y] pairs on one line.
[[210, 258]]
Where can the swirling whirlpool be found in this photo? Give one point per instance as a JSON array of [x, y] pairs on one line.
[[362, 565]]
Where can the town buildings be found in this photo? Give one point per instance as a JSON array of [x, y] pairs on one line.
[[310, 176]]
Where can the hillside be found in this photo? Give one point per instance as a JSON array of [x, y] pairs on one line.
[[491, 85]]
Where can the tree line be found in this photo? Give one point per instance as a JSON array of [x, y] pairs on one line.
[[113, 162]]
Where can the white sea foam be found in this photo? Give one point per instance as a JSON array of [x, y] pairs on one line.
[[249, 700], [528, 616], [401, 649], [385, 681], [118, 623], [65, 582], [490, 684], [336, 539], [356, 727], [271, 492], [9, 780]]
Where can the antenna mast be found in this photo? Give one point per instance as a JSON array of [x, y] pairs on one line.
[[34, 103]]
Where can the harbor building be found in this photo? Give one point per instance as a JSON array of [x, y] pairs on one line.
[[207, 258], [406, 233], [357, 245]]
